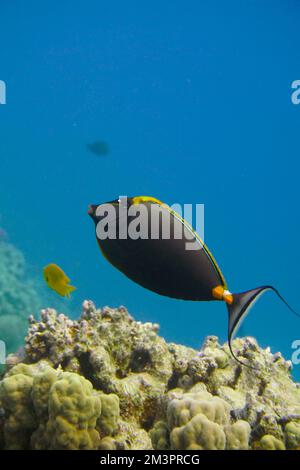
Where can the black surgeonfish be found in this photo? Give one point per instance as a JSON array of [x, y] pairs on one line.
[[164, 264], [99, 148]]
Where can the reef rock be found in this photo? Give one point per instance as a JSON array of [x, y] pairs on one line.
[[18, 296], [106, 381]]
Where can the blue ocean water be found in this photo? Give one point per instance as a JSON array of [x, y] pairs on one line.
[[194, 101]]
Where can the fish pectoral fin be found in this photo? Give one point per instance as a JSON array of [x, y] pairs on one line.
[[71, 289]]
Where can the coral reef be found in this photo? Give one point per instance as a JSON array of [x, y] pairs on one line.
[[197, 420], [18, 296], [106, 381]]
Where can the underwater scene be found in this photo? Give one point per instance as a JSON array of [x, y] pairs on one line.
[[149, 225]]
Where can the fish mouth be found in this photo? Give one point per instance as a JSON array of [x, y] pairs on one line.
[[91, 210]]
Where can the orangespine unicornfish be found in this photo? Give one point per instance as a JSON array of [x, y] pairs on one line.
[[166, 264]]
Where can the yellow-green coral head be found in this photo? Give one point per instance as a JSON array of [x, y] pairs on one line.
[[57, 280]]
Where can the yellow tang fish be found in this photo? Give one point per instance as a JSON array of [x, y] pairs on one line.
[[57, 280]]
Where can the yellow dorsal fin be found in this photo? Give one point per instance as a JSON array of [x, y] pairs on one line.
[[139, 199]]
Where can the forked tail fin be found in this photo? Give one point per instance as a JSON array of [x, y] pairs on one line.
[[239, 308]]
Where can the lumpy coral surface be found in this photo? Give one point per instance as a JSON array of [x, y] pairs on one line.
[[106, 381]]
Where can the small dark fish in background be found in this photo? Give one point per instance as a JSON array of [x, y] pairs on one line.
[[99, 147]]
